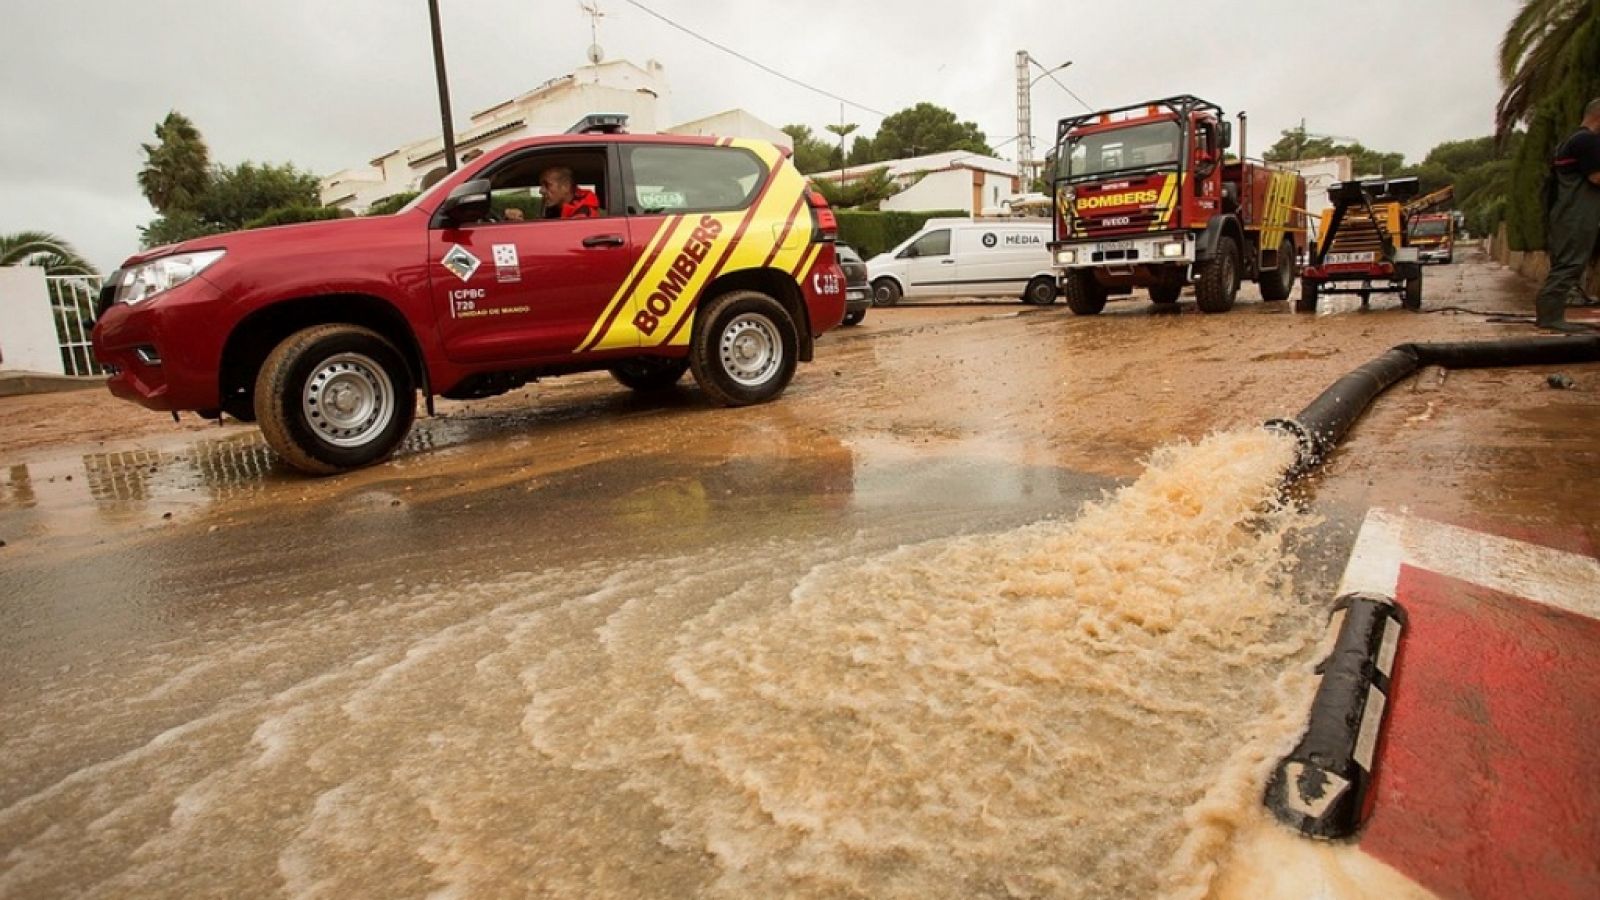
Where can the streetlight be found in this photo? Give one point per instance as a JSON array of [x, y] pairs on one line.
[[444, 88], [1025, 112]]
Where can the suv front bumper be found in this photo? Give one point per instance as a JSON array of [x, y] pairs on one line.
[[163, 354]]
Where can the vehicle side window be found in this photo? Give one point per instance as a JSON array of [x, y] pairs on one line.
[[515, 193], [934, 243], [680, 179]]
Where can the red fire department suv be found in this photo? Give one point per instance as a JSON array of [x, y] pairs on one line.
[[700, 253]]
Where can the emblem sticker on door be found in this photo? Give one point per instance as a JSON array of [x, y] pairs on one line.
[[506, 267], [461, 262]]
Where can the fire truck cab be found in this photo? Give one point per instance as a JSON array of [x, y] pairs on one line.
[[1145, 196]]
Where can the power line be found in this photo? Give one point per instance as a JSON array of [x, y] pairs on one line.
[[762, 66], [1064, 87]]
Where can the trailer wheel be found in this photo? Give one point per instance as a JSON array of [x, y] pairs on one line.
[[1307, 301], [1165, 293], [334, 397], [886, 292], [1085, 295], [1412, 298], [1278, 283], [1219, 280]]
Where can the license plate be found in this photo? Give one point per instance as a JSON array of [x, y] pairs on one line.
[[1115, 246], [855, 294], [1340, 259]]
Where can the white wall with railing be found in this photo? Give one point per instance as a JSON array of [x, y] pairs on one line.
[[45, 322]]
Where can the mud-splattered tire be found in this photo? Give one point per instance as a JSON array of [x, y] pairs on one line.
[[1165, 294], [1085, 295], [854, 318], [333, 398], [649, 374], [1041, 291], [744, 348], [1219, 278], [1412, 297], [1307, 301], [1277, 284], [886, 292]]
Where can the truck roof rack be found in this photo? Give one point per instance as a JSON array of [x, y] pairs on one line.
[[1180, 105], [601, 123]]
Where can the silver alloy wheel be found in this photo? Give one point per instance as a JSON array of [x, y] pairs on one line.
[[348, 400], [750, 349]]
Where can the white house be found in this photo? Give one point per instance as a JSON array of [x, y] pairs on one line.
[[618, 86], [1320, 174], [955, 179]]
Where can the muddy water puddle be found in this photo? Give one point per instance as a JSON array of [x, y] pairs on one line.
[[773, 676]]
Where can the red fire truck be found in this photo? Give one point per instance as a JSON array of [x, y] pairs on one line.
[[1146, 198]]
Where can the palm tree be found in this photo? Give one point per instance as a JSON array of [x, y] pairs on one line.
[[1537, 56], [177, 169], [39, 248], [843, 130]]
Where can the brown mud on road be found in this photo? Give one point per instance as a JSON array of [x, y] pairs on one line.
[[864, 641]]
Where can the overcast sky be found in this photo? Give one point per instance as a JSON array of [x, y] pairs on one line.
[[329, 84]]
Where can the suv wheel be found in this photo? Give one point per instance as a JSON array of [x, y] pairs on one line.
[[333, 398], [649, 374], [744, 349]]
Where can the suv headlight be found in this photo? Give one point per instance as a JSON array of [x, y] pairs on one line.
[[140, 283]]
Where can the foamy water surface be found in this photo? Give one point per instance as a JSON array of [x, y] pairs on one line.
[[1046, 711]]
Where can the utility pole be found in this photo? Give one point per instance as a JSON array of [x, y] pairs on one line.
[[444, 88], [1024, 120]]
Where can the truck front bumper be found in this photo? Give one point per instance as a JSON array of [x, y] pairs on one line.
[[1137, 250]]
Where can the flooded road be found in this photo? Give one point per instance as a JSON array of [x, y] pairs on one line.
[[928, 626]]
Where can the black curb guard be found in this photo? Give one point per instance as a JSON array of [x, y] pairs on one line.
[[1322, 788], [1319, 427]]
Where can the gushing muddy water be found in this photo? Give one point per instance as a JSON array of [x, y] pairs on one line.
[[1034, 712]]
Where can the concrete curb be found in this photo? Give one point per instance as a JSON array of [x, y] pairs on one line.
[[14, 384]]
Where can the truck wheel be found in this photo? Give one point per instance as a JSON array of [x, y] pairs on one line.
[[886, 292], [744, 348], [1165, 293], [649, 374], [1219, 280], [1041, 291], [1307, 301], [1085, 295], [1412, 298], [334, 397], [854, 318], [1278, 283]]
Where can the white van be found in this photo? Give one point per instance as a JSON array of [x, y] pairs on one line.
[[968, 258]]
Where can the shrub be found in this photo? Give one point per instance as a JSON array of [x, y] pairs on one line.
[[289, 215], [872, 232], [391, 204]]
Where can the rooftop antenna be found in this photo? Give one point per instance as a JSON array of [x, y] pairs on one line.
[[592, 10]]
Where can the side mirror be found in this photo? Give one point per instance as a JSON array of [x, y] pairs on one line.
[[468, 202], [1227, 134]]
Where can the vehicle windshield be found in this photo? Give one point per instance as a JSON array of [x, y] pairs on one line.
[[1135, 147], [1430, 228]]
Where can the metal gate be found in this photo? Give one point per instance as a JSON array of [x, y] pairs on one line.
[[72, 304]]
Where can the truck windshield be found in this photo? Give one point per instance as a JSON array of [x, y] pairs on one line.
[[1135, 147], [1430, 228]]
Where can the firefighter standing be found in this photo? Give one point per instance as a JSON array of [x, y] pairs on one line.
[[1574, 220]]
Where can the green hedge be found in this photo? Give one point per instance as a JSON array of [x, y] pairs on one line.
[[1555, 118], [289, 215], [872, 232]]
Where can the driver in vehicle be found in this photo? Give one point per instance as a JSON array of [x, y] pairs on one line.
[[563, 199]]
